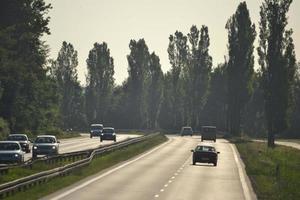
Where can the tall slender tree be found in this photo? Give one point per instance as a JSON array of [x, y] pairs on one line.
[[198, 72], [178, 57], [138, 71], [277, 61], [155, 91], [64, 71], [241, 36], [100, 83]]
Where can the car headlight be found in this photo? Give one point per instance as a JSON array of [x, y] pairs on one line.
[[34, 147], [102, 134], [114, 134], [16, 155], [54, 147]]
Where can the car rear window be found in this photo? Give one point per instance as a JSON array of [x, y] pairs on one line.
[[187, 129], [205, 148], [96, 127]]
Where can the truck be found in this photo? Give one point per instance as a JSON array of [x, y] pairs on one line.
[[209, 133]]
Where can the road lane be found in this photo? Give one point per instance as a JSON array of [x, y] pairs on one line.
[[84, 142], [166, 173]]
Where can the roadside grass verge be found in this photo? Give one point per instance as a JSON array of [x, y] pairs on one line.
[[39, 166], [274, 172], [95, 166], [289, 140]]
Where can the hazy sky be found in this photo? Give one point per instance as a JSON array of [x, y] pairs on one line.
[[84, 22]]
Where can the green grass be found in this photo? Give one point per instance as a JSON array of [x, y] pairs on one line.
[[39, 166], [96, 166], [274, 173]]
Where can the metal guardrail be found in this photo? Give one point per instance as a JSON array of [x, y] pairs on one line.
[[22, 184]]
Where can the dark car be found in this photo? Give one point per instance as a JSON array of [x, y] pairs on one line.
[[108, 133], [96, 130], [11, 152], [45, 145], [209, 133], [205, 154], [186, 131], [22, 139]]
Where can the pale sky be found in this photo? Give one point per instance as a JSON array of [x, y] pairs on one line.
[[84, 22]]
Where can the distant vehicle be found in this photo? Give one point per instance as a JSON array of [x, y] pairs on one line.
[[45, 145], [209, 133], [205, 154], [108, 133], [22, 139], [186, 131], [11, 152], [96, 130]]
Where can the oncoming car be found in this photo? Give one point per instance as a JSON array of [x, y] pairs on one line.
[[96, 130], [45, 145], [186, 131], [205, 154], [22, 139], [11, 152], [108, 133]]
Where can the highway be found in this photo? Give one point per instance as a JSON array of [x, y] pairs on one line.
[[166, 172], [82, 143]]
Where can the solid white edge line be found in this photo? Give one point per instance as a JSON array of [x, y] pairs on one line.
[[108, 172], [242, 175]]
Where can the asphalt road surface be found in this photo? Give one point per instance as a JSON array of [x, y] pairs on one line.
[[166, 172], [82, 143]]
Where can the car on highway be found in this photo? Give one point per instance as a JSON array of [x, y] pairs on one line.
[[205, 154], [96, 130], [11, 152], [22, 139], [108, 133], [186, 131], [209, 133], [45, 145]]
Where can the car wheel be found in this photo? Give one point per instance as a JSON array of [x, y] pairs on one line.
[[194, 163], [115, 139], [91, 136], [33, 156], [215, 163], [101, 140]]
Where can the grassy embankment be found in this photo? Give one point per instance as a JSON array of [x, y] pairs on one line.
[[96, 166], [274, 173]]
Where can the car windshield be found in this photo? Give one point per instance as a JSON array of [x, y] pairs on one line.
[[204, 148], [9, 146], [45, 140], [108, 131], [96, 127], [17, 138]]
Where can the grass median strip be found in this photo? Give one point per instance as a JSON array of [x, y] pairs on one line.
[[274, 173], [97, 165]]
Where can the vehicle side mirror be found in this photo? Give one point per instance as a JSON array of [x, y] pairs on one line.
[[218, 152]]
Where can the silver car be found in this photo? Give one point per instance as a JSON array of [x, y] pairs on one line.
[[45, 145], [11, 152], [22, 139]]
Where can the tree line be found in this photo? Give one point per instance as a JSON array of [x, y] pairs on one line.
[[38, 94]]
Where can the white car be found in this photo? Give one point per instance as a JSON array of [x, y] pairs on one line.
[[11, 152]]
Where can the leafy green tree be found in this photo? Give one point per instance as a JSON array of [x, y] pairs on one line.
[[197, 73], [155, 91], [138, 70], [178, 57], [241, 36], [23, 75], [64, 71], [100, 83], [214, 112], [277, 61]]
